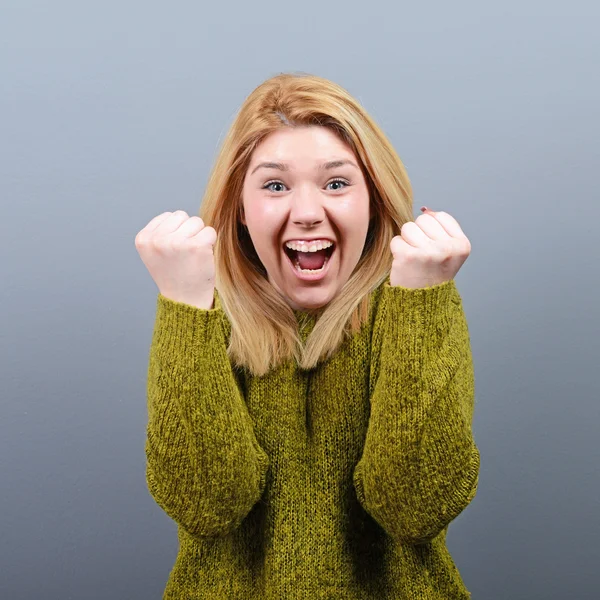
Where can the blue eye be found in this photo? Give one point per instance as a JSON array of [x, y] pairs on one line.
[[275, 182], [270, 183], [346, 184]]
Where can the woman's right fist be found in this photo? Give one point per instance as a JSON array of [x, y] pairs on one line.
[[178, 252]]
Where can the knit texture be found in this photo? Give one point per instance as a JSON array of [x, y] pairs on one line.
[[337, 482]]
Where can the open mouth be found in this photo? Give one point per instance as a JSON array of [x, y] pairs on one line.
[[318, 259]]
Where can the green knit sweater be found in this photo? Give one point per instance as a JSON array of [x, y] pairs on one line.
[[337, 482]]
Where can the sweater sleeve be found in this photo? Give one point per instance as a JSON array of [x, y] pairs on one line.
[[420, 466], [204, 466]]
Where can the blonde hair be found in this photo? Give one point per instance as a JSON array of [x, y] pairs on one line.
[[264, 328]]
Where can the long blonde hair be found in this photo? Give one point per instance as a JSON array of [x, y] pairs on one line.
[[264, 328]]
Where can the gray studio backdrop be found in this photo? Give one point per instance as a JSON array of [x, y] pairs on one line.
[[112, 112]]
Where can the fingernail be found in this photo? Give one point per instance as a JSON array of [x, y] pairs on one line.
[[424, 208]]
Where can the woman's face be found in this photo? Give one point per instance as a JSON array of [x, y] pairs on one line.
[[305, 199]]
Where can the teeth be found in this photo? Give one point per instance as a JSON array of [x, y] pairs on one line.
[[304, 247]]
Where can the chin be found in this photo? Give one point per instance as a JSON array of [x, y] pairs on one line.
[[308, 299], [309, 303], [308, 307]]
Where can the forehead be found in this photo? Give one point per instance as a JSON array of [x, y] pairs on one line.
[[301, 146]]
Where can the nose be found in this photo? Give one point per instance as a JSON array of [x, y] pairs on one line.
[[306, 208]]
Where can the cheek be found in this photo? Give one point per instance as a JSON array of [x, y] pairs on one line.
[[354, 206], [258, 209], [353, 223], [263, 225], [266, 224]]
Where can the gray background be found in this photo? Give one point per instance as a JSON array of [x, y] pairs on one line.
[[111, 113]]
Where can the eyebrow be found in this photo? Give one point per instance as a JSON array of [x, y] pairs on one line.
[[332, 164]]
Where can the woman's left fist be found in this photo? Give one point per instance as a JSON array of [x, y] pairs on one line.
[[428, 251]]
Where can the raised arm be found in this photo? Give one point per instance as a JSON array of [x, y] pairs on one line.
[[205, 468], [420, 465]]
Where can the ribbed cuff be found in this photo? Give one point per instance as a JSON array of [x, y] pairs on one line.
[[423, 300], [417, 320], [182, 328]]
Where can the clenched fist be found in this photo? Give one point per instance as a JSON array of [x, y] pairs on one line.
[[428, 251], [178, 252]]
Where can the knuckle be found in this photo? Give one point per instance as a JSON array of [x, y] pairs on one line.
[[157, 243], [178, 243], [196, 245], [447, 249]]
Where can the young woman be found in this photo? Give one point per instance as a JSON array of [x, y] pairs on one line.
[[310, 383]]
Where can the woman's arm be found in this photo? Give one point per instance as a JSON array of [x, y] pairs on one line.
[[205, 468], [420, 465]]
